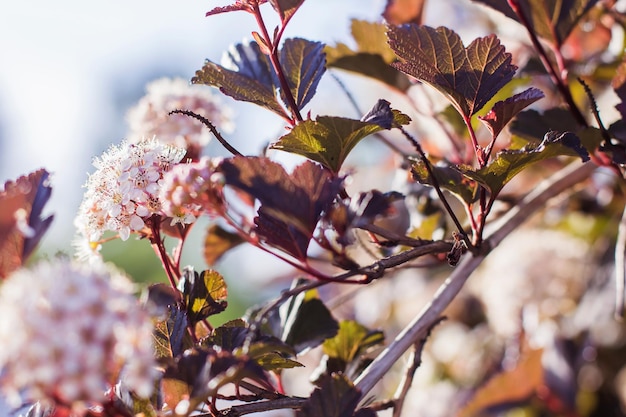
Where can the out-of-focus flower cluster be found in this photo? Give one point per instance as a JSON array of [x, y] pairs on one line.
[[69, 331], [150, 117], [123, 192], [188, 190]]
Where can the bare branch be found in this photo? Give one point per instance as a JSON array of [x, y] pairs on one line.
[[418, 327]]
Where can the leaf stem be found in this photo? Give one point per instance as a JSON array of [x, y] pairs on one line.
[[436, 185], [418, 327], [211, 127], [545, 60], [284, 84], [358, 110]]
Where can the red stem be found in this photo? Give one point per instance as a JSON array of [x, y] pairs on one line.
[[159, 249], [556, 78], [284, 84]]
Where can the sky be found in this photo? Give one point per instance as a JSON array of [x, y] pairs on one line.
[[70, 69]]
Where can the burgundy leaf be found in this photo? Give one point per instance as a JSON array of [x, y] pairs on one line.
[[550, 19], [21, 224], [286, 8], [504, 111], [245, 5], [469, 77], [291, 204]]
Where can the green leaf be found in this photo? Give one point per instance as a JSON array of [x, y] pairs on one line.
[[553, 20], [306, 322], [509, 163], [468, 77], [204, 294], [372, 57], [245, 76], [449, 178], [217, 242], [169, 334], [304, 63], [336, 396], [286, 8], [329, 139], [291, 204], [504, 111], [352, 341]]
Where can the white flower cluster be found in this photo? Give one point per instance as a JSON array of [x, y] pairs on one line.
[[151, 114], [123, 192], [189, 190], [68, 330]]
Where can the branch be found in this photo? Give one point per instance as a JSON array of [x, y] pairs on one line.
[[620, 271], [418, 327], [414, 362]]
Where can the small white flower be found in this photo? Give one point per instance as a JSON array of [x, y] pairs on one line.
[[123, 192], [69, 330]]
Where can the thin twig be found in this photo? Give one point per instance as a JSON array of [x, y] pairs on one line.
[[417, 328], [358, 110], [436, 185], [211, 127], [415, 360]]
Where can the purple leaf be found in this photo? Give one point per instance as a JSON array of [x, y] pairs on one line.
[[469, 77], [504, 111], [291, 204], [552, 20], [304, 63], [245, 5]]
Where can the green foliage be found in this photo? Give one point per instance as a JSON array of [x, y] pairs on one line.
[[508, 164], [329, 139], [305, 322], [449, 178], [203, 294], [372, 57]]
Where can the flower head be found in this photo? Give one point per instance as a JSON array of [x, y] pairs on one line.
[[151, 114], [123, 192], [189, 190], [68, 330]]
